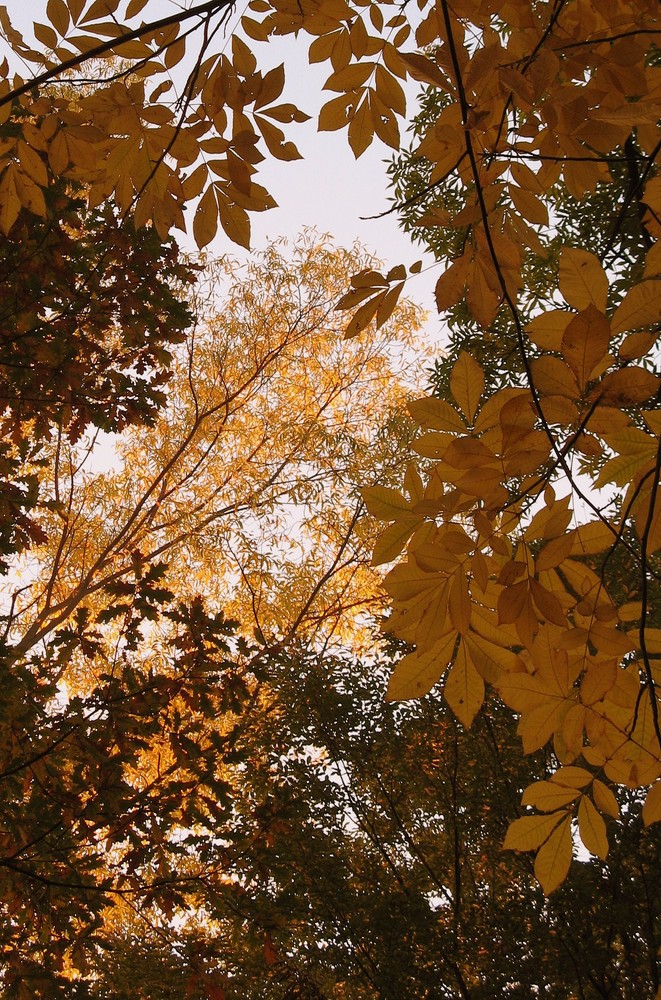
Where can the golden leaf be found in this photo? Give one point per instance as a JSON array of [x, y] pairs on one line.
[[385, 503], [437, 414], [604, 799], [585, 343], [553, 377], [583, 281], [547, 796], [416, 673], [554, 858], [205, 223], [529, 832], [628, 386], [592, 829], [652, 807], [464, 688], [547, 329], [361, 129], [640, 307], [467, 384]]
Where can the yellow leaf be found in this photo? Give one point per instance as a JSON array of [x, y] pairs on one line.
[[32, 164], [388, 304], [10, 203], [385, 503], [459, 601], [628, 385], [235, 222], [350, 78], [205, 223], [468, 453], [585, 343], [572, 777], [391, 542], [363, 316], [467, 384], [244, 60], [424, 70], [528, 832], [652, 807], [640, 307], [547, 329], [464, 688], [604, 799], [416, 673], [45, 34], [591, 538], [592, 829], [547, 796], [582, 279], [390, 90], [432, 413], [361, 129], [637, 345], [553, 377], [547, 604], [58, 15], [554, 858], [529, 206], [336, 114]]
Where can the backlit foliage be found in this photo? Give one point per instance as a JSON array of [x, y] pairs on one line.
[[507, 574]]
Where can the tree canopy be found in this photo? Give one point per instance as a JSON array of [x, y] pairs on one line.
[[524, 530]]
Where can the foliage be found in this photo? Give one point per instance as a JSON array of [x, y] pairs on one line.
[[366, 841], [506, 577], [126, 688]]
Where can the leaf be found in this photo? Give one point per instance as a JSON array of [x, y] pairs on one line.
[[392, 540], [464, 688], [604, 799], [583, 281], [361, 129], [234, 220], [592, 829], [640, 307], [553, 377], [554, 858], [205, 223], [572, 777], [547, 796], [417, 673], [585, 343], [58, 15], [385, 503], [652, 807], [459, 602], [10, 204], [437, 414], [529, 832], [363, 316], [424, 70], [467, 384], [628, 386]]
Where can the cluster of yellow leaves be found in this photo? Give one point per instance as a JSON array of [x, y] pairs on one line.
[[499, 585], [126, 137]]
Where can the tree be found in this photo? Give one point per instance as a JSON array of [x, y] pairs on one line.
[[366, 840], [126, 685], [496, 585]]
